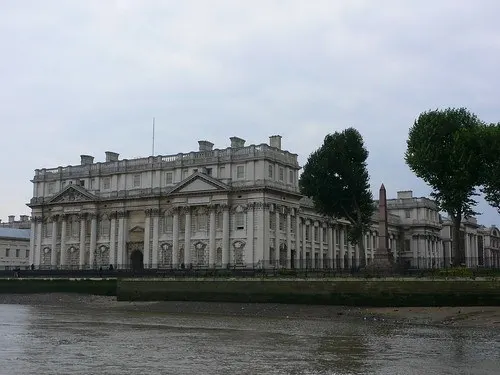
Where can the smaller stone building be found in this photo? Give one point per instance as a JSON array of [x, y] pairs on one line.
[[14, 248]]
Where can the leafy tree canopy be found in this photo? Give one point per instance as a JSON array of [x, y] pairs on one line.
[[336, 178], [444, 149], [491, 169]]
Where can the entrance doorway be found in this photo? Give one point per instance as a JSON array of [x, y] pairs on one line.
[[137, 260]]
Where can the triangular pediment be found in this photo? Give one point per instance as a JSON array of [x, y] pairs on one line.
[[73, 193], [137, 229], [199, 182]]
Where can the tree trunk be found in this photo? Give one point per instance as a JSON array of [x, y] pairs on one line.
[[458, 252], [362, 251]]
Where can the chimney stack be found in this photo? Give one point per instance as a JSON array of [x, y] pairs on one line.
[[12, 218], [111, 156], [237, 142], [205, 145], [275, 141], [24, 218], [86, 159]]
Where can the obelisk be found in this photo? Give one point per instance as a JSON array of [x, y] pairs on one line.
[[382, 258]]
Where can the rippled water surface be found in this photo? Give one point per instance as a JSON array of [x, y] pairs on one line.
[[47, 340]]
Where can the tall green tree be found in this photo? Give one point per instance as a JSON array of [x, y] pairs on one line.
[[491, 171], [336, 178], [444, 149]]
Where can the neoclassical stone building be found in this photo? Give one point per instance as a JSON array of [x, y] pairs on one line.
[[239, 206]]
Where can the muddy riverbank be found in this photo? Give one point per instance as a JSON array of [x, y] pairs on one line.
[[481, 316]]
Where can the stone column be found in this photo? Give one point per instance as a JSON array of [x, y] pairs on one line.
[[330, 246], [334, 246], [321, 239], [62, 260], [212, 249], [53, 258], [147, 227], [313, 244], [187, 236], [121, 241], [225, 236], [341, 247], [414, 250], [350, 253], [175, 238], [38, 248], [288, 238], [261, 229], [32, 258], [112, 240], [297, 239], [83, 234], [304, 246], [93, 239], [277, 237], [156, 230], [250, 233], [266, 232]]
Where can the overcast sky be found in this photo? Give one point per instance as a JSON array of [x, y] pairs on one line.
[[84, 77]]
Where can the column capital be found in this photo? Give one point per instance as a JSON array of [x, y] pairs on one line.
[[184, 210], [262, 205], [155, 212], [122, 214], [112, 215], [92, 215], [54, 218], [82, 216], [148, 212]]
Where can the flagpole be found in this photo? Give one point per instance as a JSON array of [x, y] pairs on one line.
[[153, 153]]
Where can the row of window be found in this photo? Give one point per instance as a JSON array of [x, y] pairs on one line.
[[169, 177], [281, 174], [18, 253]]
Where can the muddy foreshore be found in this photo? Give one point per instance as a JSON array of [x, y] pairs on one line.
[[479, 317]]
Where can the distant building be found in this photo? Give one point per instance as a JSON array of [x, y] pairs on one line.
[[489, 247], [24, 222], [14, 248]]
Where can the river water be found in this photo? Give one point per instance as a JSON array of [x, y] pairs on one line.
[[64, 340]]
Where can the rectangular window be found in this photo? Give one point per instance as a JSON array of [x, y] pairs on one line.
[[316, 234], [92, 183], [240, 172], [325, 236], [240, 220], [185, 173], [407, 245], [168, 224], [202, 222], [209, 171], [51, 188], [106, 183], [27, 253], [17, 253], [222, 172], [282, 174], [272, 221], [408, 214], [169, 178], [308, 233], [368, 242], [137, 180], [7, 252], [48, 229], [282, 222], [82, 183], [271, 170], [105, 227], [218, 220]]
